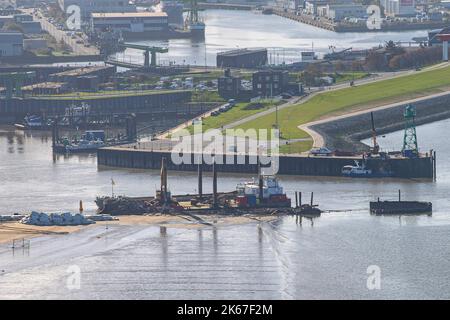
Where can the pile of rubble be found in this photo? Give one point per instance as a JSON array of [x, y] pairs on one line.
[[55, 219], [125, 205]]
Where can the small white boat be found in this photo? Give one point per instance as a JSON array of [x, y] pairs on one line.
[[85, 145], [356, 170], [361, 171]]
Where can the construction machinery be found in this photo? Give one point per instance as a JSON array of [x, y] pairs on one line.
[[193, 23], [376, 148], [410, 147]]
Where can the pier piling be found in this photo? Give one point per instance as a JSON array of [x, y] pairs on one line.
[[200, 180], [215, 204]]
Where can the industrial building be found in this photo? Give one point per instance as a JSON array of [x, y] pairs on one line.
[[242, 58], [338, 12], [11, 44], [229, 87], [396, 8], [35, 44], [130, 22], [46, 88], [87, 7], [307, 56], [85, 79], [268, 83], [433, 39]]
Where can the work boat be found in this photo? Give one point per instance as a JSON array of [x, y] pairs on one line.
[[361, 171], [356, 170], [272, 193]]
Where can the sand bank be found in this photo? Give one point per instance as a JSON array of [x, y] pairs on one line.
[[10, 231]]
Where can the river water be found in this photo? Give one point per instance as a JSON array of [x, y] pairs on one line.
[[326, 258], [228, 29]]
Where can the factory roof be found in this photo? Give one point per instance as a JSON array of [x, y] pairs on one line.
[[81, 71], [238, 52], [45, 85], [129, 14]]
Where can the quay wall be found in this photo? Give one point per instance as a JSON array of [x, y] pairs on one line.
[[346, 133], [288, 164], [158, 103], [341, 27]]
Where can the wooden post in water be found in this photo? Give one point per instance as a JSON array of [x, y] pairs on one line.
[[214, 184], [434, 166], [312, 198], [200, 180], [296, 199], [399, 195], [163, 180], [300, 198]]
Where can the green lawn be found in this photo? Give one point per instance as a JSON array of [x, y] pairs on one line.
[[296, 147], [347, 77], [239, 111], [363, 96]]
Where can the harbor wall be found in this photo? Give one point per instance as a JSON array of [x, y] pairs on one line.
[[157, 103], [342, 27], [346, 133], [288, 164]]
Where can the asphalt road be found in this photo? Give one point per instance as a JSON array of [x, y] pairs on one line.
[[60, 35]]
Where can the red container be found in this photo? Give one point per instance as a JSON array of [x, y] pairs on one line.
[[241, 201]]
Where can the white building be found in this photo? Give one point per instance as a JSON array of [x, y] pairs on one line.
[[88, 7], [338, 12], [130, 22], [399, 7], [11, 44]]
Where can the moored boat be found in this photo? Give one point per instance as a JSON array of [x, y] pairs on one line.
[[362, 171]]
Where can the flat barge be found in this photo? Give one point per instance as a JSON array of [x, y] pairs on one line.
[[400, 207]]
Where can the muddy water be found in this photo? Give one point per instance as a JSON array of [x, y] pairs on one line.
[[324, 258]]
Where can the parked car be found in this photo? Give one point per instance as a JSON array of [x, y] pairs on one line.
[[324, 151]]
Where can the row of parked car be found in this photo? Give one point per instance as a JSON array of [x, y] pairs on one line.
[[231, 103]]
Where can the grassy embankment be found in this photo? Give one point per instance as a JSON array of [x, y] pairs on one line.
[[239, 111], [350, 99]]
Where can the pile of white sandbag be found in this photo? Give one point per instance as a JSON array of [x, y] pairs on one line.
[[56, 219]]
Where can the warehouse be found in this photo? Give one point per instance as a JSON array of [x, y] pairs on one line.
[[242, 58], [86, 78], [87, 7], [131, 22], [11, 44], [341, 11]]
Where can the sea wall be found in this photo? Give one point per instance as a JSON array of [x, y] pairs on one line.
[[288, 164], [346, 133]]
